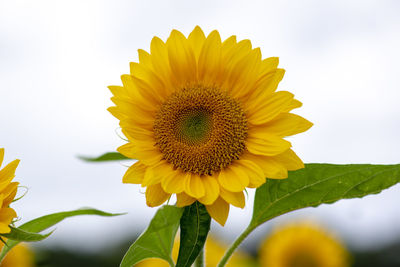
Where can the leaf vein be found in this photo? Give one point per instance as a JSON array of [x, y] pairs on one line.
[[256, 218]]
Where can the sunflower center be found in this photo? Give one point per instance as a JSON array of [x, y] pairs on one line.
[[304, 259], [194, 126], [200, 130]]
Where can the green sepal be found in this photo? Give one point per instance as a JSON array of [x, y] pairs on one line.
[[195, 225]]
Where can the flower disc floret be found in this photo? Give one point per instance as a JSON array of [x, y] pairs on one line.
[[200, 130]]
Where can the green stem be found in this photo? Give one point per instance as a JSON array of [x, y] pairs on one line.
[[200, 259], [235, 244]]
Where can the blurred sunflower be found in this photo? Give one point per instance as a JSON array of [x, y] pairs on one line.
[[214, 251], [204, 121], [19, 256], [302, 245], [8, 190]]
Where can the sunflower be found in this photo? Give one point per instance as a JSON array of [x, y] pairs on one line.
[[303, 245], [214, 251], [8, 190], [204, 121], [20, 256]]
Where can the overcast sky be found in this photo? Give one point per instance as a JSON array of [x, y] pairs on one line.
[[58, 57]]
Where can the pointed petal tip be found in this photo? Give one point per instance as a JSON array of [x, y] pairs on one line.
[[197, 28], [275, 60], [219, 211], [156, 41], [175, 34], [214, 34], [197, 34]]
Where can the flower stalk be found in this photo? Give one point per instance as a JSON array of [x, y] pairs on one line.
[[234, 245]]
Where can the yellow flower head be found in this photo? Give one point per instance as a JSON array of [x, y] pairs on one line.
[[8, 190], [302, 245], [213, 252], [20, 256], [204, 121]]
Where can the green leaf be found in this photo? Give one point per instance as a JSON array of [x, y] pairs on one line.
[[110, 156], [24, 236], [157, 240], [320, 183], [44, 222], [195, 224]]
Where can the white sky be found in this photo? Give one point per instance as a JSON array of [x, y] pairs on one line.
[[58, 57]]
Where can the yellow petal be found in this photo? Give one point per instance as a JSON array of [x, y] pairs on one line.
[[211, 188], [232, 54], [127, 150], [149, 84], [273, 85], [244, 45], [210, 59], [116, 113], [233, 178], [136, 121], [240, 67], [272, 168], [244, 75], [196, 39], [148, 153], [6, 216], [156, 173], [181, 58], [255, 172], [238, 51], [293, 104], [155, 195], [266, 109], [268, 83], [135, 174], [160, 62], [141, 134], [266, 144], [234, 198], [173, 182], [194, 186], [268, 65], [227, 50], [132, 109], [145, 58], [219, 211], [134, 94], [4, 228], [153, 92], [290, 160], [228, 43], [120, 92], [286, 124], [268, 71], [183, 200], [9, 193], [8, 173]]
